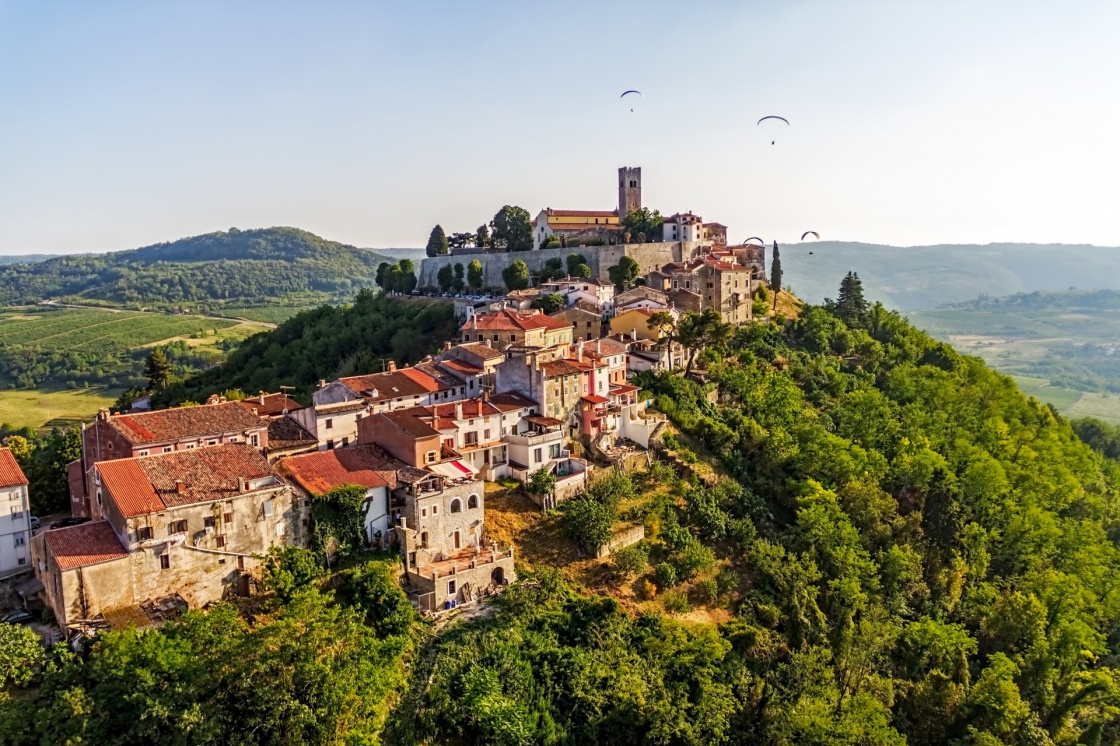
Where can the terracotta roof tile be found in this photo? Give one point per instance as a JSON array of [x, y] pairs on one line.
[[273, 404], [285, 433], [83, 545], [581, 213], [322, 471], [151, 483], [185, 422], [10, 473], [485, 352], [508, 320], [560, 368], [393, 384]]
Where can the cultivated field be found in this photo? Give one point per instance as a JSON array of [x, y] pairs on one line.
[[39, 408], [89, 329]]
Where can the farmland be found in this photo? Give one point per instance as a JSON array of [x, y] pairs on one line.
[[59, 364]]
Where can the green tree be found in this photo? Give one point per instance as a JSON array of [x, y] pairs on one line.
[[475, 274], [437, 242], [127, 397], [516, 275], [644, 224], [460, 278], [339, 521], [574, 261], [157, 369], [542, 482], [549, 302], [445, 277], [624, 273], [850, 306], [382, 272], [288, 569], [482, 238], [776, 274], [373, 588], [406, 281], [698, 331], [665, 324], [553, 270], [513, 229], [587, 522], [21, 654], [631, 561], [582, 271], [460, 240]]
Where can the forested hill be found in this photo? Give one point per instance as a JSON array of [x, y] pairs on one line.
[[325, 343], [224, 269]]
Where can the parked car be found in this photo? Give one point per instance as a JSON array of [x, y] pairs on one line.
[[19, 616], [35, 522], [67, 522]]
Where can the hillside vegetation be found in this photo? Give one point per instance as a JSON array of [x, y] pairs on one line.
[[907, 278], [235, 268], [328, 342]]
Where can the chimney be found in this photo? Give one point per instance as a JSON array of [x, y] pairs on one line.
[[392, 366], [103, 415], [486, 395], [634, 334], [242, 484], [180, 486], [579, 350], [262, 398], [458, 410], [598, 347], [447, 346], [322, 383]]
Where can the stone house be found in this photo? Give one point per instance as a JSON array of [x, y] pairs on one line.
[[518, 328], [162, 431], [15, 516], [635, 323], [271, 406], [643, 296], [192, 523], [586, 324], [597, 293], [576, 226]]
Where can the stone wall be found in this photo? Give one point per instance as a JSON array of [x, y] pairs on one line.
[[622, 539], [649, 256]]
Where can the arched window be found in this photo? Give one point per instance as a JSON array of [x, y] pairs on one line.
[[456, 505], [472, 501]]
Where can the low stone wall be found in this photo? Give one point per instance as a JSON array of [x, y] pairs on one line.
[[649, 256], [622, 539]]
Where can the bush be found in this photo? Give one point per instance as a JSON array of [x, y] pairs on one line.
[[709, 590], [612, 488], [665, 576], [373, 588], [287, 569], [21, 655], [587, 522], [631, 560], [677, 603], [694, 558]]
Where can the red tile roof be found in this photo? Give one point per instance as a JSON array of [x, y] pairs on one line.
[[83, 545], [10, 473], [594, 399], [185, 422], [152, 483], [458, 366], [486, 352], [508, 320], [560, 368], [320, 472], [273, 404], [394, 384], [581, 213]]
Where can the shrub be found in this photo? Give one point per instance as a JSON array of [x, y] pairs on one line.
[[694, 558], [21, 654], [373, 588], [709, 590], [287, 569], [612, 489], [665, 576], [631, 560], [587, 522], [677, 603]]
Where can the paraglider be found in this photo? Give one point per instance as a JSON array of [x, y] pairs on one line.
[[810, 233], [773, 116], [632, 92], [755, 238]]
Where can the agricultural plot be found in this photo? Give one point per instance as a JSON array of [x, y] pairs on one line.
[[79, 329]]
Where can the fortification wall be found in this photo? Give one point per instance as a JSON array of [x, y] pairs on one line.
[[649, 256]]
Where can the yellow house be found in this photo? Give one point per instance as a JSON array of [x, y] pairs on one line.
[[635, 323]]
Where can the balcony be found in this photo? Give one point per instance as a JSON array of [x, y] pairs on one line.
[[533, 439]]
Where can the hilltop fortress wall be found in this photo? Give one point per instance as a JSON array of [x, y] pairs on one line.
[[649, 256]]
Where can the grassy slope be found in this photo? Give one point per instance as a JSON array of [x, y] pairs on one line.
[[45, 407]]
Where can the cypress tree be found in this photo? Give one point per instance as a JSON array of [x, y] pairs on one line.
[[437, 242], [776, 274]]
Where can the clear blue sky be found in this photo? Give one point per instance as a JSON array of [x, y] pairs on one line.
[[124, 124]]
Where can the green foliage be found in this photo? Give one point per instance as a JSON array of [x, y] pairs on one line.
[[325, 343], [677, 602], [372, 587], [397, 278], [587, 522], [482, 238], [157, 369], [310, 673], [1098, 435], [43, 458], [549, 303], [645, 223], [776, 272], [288, 569], [624, 273], [850, 306], [460, 280], [475, 274], [632, 560], [339, 518], [516, 275], [698, 331], [445, 277], [612, 488], [21, 654], [512, 229], [437, 242], [574, 262], [541, 482], [665, 575]]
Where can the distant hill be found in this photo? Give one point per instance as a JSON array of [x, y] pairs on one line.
[[25, 258], [414, 254], [928, 276], [227, 270]]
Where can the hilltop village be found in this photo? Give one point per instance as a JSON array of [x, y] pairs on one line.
[[179, 507]]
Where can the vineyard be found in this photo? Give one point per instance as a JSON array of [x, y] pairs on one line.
[[74, 329]]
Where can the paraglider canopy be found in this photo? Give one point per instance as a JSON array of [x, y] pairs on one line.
[[755, 238], [810, 233], [632, 92], [772, 116]]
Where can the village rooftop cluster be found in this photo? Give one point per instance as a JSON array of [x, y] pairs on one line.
[[179, 506]]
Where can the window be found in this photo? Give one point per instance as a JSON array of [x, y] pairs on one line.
[[165, 562], [554, 450], [280, 528], [431, 457], [21, 561], [495, 337], [471, 438], [537, 455], [424, 540], [144, 533], [330, 445], [456, 538], [255, 440], [451, 587], [235, 439], [227, 519], [212, 442], [267, 507], [412, 559], [486, 434], [345, 442], [221, 542], [168, 449], [328, 424], [20, 541], [423, 512], [177, 527], [17, 515], [435, 509], [456, 505], [191, 445], [208, 522], [142, 453], [472, 502]]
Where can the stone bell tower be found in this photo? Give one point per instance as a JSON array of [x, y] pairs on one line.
[[629, 191]]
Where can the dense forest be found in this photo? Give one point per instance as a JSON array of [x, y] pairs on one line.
[[228, 268], [903, 547], [325, 343]]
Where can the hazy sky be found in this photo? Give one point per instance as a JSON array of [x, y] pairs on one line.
[[124, 124]]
